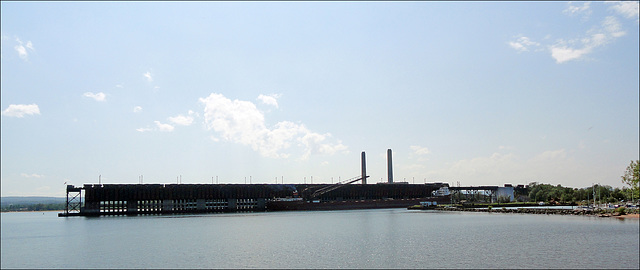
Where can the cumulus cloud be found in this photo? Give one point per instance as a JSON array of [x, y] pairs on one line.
[[137, 109], [575, 10], [163, 127], [522, 44], [563, 53], [628, 9], [181, 120], [270, 99], [20, 110], [177, 120], [97, 96], [419, 150], [609, 30], [148, 76], [23, 49], [241, 122]]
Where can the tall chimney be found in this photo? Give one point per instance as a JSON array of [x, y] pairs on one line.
[[389, 167], [364, 169]]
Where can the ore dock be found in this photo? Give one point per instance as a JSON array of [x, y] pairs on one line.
[[141, 199]]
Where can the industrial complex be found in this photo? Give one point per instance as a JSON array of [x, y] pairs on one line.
[[136, 199]]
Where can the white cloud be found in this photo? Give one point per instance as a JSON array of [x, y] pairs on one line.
[[564, 50], [612, 27], [628, 9], [563, 53], [270, 99], [148, 76], [574, 10], [178, 120], [34, 175], [522, 44], [97, 96], [23, 50], [241, 122], [609, 30], [137, 109], [164, 127], [181, 120], [419, 150], [20, 110]]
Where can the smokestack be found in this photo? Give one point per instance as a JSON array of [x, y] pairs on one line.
[[389, 167], [364, 169]]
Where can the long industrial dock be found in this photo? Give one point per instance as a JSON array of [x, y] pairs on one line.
[[135, 199]]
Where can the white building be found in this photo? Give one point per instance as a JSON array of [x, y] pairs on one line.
[[506, 191]]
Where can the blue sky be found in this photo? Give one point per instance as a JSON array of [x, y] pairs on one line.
[[481, 93]]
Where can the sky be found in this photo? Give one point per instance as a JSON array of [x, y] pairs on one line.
[[468, 93]]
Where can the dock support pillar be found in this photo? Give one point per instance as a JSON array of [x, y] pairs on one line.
[[91, 208], [261, 205], [167, 206], [233, 205], [132, 207], [200, 205]]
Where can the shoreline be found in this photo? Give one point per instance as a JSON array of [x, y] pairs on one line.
[[540, 211], [628, 216], [27, 211]]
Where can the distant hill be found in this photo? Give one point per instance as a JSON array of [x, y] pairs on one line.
[[5, 201]]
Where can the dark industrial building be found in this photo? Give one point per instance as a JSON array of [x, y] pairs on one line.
[[135, 199]]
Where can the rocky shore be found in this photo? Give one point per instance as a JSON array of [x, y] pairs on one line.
[[542, 211]]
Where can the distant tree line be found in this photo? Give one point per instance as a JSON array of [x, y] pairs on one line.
[[33, 207], [603, 194], [536, 192]]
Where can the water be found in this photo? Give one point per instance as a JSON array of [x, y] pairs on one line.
[[381, 238]]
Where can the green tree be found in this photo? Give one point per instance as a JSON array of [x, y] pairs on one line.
[[631, 177], [566, 197]]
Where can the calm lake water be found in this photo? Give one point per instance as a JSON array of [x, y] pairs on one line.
[[381, 238]]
